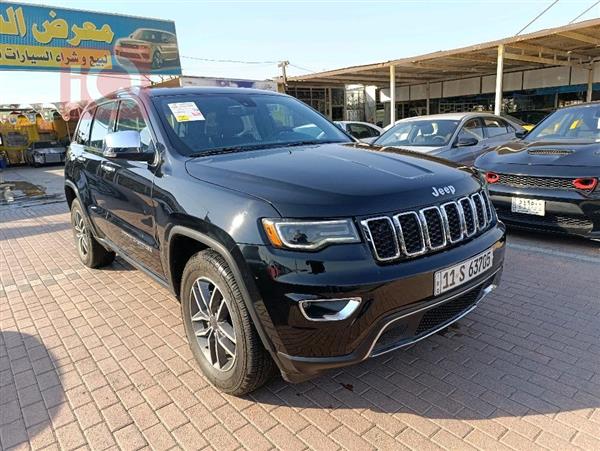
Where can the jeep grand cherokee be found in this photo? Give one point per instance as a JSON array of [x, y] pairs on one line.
[[288, 243]]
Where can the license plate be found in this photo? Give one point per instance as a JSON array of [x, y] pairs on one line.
[[528, 206], [457, 275]]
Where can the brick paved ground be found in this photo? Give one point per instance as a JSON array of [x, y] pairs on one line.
[[97, 359]]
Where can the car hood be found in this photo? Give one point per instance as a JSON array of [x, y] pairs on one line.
[[541, 156], [334, 180], [132, 41]]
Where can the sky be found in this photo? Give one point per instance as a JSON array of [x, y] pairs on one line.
[[311, 35]]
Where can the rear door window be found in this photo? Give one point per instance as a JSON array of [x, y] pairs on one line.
[[472, 129], [495, 127]]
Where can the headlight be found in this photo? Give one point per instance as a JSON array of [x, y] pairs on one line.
[[309, 235]]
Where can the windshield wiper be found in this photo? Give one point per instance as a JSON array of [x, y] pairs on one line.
[[234, 149], [226, 149], [308, 143]]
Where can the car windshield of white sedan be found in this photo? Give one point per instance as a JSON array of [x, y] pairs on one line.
[[578, 123], [206, 123], [419, 133]]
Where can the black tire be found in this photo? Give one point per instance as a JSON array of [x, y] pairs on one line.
[[91, 253], [251, 365]]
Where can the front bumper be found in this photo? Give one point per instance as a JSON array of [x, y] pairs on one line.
[[567, 211], [134, 55], [398, 304]]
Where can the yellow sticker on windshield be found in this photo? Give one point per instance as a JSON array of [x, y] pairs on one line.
[[186, 112]]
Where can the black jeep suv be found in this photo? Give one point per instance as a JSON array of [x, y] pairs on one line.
[[287, 242]]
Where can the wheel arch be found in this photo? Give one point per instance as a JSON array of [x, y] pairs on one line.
[[196, 241]]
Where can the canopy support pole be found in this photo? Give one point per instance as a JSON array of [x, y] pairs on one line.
[[499, 77], [590, 84], [392, 95]]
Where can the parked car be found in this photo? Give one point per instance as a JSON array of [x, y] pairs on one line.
[[146, 46], [549, 180], [363, 131], [458, 137], [285, 250], [45, 152]]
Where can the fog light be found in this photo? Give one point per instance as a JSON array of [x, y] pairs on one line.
[[329, 309]]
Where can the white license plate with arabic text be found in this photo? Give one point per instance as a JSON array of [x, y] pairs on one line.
[[449, 278], [528, 206]]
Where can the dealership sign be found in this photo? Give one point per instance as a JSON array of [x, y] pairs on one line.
[[45, 38]]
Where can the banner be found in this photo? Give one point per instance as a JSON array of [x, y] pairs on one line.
[[44, 38]]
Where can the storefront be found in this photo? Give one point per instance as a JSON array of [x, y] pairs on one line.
[[537, 71]]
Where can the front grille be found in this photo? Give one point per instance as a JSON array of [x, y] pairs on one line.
[[548, 221], [429, 229], [437, 316], [432, 319], [526, 181]]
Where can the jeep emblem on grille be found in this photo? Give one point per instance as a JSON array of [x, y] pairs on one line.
[[443, 190]]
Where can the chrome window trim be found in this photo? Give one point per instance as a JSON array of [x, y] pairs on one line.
[[426, 228], [365, 225], [401, 234]]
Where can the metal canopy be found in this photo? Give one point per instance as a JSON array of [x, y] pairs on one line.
[[571, 45]]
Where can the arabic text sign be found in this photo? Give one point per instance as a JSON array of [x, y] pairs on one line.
[[44, 38]]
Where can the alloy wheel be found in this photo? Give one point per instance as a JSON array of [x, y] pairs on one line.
[[81, 234], [212, 324]]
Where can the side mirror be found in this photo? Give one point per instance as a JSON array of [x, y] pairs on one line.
[[125, 145], [521, 134], [466, 142]]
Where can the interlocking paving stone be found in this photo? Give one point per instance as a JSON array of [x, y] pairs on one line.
[[98, 357]]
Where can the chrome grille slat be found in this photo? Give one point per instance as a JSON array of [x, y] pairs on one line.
[[406, 232], [480, 213], [414, 233], [451, 212], [367, 228], [466, 204], [430, 225]]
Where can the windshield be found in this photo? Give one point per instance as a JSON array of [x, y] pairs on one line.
[[578, 123], [200, 123], [424, 132], [148, 35]]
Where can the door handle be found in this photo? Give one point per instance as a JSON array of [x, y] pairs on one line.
[[107, 167]]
